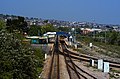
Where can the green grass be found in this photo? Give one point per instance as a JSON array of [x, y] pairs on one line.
[[112, 76], [115, 50], [111, 50], [113, 70]]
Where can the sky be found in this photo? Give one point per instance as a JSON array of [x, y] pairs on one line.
[[99, 11]]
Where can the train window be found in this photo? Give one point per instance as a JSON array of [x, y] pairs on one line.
[[34, 41], [42, 41]]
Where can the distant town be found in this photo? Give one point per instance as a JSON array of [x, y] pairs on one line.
[[86, 26]]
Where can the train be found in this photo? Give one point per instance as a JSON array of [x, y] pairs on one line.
[[37, 39]]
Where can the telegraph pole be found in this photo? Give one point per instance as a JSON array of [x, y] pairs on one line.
[[105, 36]]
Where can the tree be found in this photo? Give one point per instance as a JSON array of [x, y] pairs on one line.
[[64, 29], [45, 21], [16, 61], [118, 39], [48, 28], [113, 37], [34, 30], [2, 25], [17, 24], [39, 30], [78, 30]]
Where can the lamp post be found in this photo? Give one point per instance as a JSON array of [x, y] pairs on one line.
[[74, 34]]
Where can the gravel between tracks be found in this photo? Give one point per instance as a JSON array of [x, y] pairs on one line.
[[63, 70], [92, 71]]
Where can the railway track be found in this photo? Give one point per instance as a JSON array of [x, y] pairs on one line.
[[87, 58], [74, 71], [54, 72], [71, 68]]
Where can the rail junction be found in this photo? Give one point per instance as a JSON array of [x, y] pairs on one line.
[[73, 70]]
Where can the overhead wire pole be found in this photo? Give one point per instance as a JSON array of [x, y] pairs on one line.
[[75, 34], [93, 27], [72, 34], [105, 36]]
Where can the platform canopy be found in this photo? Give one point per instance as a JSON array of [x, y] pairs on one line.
[[36, 37], [51, 33], [62, 33]]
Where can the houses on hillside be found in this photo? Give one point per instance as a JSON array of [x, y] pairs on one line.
[[89, 30]]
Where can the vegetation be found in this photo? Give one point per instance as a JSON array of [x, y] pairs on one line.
[[111, 50], [64, 29], [39, 30], [111, 45], [108, 37], [2, 25], [39, 55], [34, 30], [18, 61], [17, 24], [48, 28]]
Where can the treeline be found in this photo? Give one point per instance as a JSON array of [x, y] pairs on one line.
[[40, 30], [17, 24], [21, 26], [108, 37]]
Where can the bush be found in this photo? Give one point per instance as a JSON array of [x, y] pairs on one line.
[[16, 61]]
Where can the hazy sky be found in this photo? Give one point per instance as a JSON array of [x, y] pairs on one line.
[[100, 11]]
